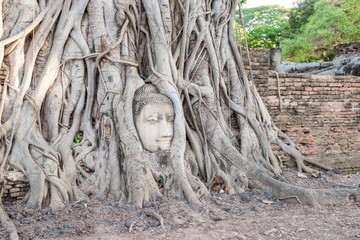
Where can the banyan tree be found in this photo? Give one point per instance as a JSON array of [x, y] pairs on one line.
[[132, 100]]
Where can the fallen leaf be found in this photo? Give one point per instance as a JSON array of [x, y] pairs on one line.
[[315, 175], [268, 202], [301, 175]]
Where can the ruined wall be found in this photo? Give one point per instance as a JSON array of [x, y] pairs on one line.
[[16, 186], [348, 48], [260, 63], [321, 114]]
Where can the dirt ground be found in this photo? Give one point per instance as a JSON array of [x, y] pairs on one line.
[[254, 214]]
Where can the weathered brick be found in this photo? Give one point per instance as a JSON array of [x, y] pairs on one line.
[[17, 194], [335, 85], [12, 190], [348, 89], [318, 88], [282, 116]]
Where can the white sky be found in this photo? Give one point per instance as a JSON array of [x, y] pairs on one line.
[[256, 3]]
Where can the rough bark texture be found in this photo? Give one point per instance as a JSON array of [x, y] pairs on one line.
[[72, 68]]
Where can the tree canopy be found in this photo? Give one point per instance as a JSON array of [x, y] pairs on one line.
[[266, 26], [300, 15], [333, 22]]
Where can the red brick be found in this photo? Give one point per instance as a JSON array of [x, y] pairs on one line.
[[12, 190], [318, 88], [17, 194], [335, 85], [282, 116], [348, 89]]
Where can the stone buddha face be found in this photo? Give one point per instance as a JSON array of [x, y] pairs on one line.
[[153, 118]]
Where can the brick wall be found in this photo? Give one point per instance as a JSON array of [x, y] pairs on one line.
[[260, 63], [16, 186], [348, 48], [321, 114]]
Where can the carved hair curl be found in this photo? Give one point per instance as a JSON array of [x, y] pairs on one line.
[[146, 94]]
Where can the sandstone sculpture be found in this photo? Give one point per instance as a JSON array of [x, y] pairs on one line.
[[154, 118]]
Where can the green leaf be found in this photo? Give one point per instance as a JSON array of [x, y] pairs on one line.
[[78, 138]]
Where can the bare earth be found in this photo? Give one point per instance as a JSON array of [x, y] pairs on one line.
[[254, 214]]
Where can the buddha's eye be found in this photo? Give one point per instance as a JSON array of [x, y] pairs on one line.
[[152, 119]]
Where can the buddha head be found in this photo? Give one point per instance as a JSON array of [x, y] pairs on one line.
[[153, 115]]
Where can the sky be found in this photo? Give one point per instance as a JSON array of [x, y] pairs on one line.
[[256, 3]]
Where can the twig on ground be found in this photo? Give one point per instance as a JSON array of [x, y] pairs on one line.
[[131, 226], [157, 216]]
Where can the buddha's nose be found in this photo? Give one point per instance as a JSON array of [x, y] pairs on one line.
[[165, 129]]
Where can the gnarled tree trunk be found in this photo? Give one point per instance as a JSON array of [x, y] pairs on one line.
[[72, 68]]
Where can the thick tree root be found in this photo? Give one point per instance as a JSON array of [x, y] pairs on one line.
[[7, 224]]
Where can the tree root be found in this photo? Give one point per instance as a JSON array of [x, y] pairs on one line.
[[8, 224], [292, 151], [157, 216]]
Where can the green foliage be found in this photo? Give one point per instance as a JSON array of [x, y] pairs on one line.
[[265, 26], [77, 138], [300, 15], [333, 22]]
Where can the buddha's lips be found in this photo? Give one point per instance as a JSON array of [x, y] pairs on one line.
[[164, 142]]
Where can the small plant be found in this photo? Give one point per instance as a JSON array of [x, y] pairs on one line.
[[77, 138], [351, 121], [304, 135]]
